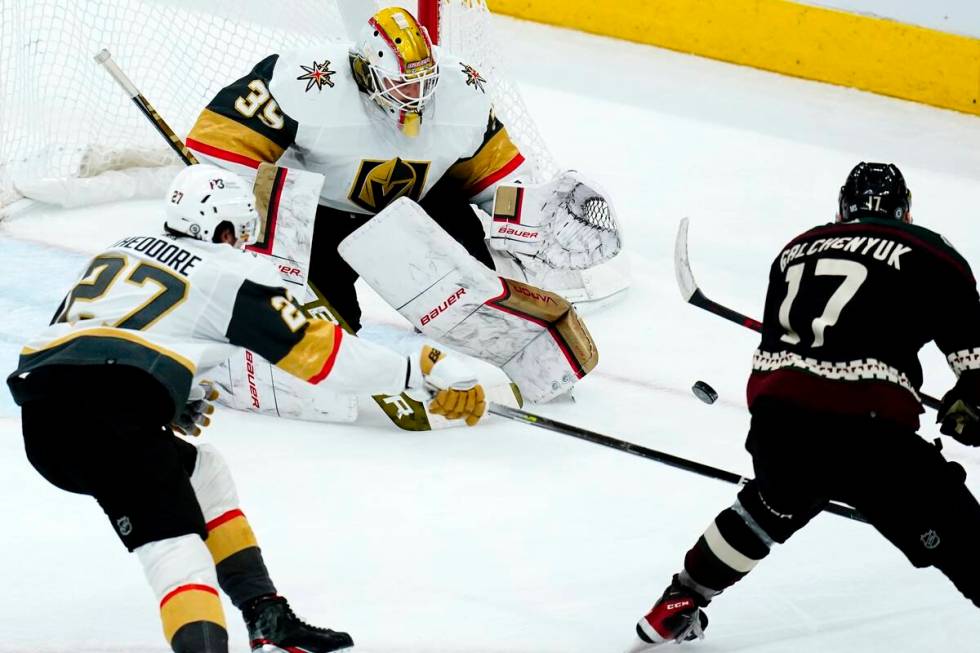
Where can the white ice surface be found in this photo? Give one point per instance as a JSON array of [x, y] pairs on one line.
[[509, 538]]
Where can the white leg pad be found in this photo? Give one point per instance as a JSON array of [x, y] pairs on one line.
[[249, 382], [213, 484], [533, 335], [177, 561], [587, 289]]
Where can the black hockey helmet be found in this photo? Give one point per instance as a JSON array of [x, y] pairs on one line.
[[874, 190]]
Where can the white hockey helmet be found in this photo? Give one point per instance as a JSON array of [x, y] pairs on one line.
[[395, 65], [204, 196]]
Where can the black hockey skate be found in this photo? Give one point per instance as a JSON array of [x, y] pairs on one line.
[[273, 628], [676, 617]]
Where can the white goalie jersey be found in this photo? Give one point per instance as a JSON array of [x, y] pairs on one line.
[[303, 110]]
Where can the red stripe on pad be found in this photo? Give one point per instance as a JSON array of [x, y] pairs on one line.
[[552, 331], [273, 214], [224, 518], [188, 588], [338, 335]]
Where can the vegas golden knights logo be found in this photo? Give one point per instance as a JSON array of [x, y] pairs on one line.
[[379, 183]]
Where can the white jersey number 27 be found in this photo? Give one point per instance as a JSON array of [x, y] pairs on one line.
[[100, 279]]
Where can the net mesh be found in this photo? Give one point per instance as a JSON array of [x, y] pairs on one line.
[[585, 229], [596, 213], [62, 116], [466, 29]]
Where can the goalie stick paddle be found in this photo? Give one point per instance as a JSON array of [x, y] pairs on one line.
[[693, 295], [644, 452]]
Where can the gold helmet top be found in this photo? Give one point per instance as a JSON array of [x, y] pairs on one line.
[[395, 65]]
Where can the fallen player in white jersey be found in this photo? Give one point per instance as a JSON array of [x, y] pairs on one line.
[[124, 363]]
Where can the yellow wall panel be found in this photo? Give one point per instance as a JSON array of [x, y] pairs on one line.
[[827, 45]]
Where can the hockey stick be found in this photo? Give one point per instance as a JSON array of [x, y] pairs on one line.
[[693, 295], [645, 452], [177, 145]]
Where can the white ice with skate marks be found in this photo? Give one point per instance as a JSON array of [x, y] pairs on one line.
[[506, 538]]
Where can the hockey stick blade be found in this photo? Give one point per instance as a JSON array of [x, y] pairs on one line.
[[644, 452], [693, 295], [689, 287], [682, 264]]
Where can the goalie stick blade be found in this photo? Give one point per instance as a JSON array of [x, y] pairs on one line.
[[693, 295]]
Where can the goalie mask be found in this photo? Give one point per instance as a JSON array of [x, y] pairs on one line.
[[395, 65], [202, 197]]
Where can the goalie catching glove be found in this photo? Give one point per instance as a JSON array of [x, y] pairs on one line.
[[452, 387], [566, 224], [195, 414]]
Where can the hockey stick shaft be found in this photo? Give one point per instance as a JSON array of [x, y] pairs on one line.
[[693, 295], [104, 58], [644, 452]]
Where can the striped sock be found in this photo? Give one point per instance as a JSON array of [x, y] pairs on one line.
[[728, 550], [241, 570], [193, 621]]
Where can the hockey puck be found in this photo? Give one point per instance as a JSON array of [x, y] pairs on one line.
[[704, 392]]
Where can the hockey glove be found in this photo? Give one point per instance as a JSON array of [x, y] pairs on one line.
[[456, 394], [960, 417], [564, 224], [199, 406]]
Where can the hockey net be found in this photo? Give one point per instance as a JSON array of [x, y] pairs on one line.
[[64, 124]]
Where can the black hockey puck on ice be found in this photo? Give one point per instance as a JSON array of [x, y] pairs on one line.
[[704, 392]]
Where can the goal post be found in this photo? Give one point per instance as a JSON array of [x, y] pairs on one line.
[[68, 134]]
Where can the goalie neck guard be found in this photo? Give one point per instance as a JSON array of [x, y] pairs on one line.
[[394, 64]]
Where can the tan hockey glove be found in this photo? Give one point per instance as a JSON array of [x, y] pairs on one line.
[[195, 414], [959, 417], [457, 394]]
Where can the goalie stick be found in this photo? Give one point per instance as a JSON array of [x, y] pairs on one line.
[[104, 58], [693, 295], [645, 452]]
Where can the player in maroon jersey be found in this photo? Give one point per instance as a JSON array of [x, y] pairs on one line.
[[835, 407]]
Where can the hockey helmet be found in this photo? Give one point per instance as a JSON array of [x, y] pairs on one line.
[[202, 197], [874, 190], [395, 65]]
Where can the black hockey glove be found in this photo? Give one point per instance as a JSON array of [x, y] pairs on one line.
[[199, 405], [960, 417]]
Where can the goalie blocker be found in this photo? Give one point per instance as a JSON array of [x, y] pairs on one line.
[[533, 335]]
